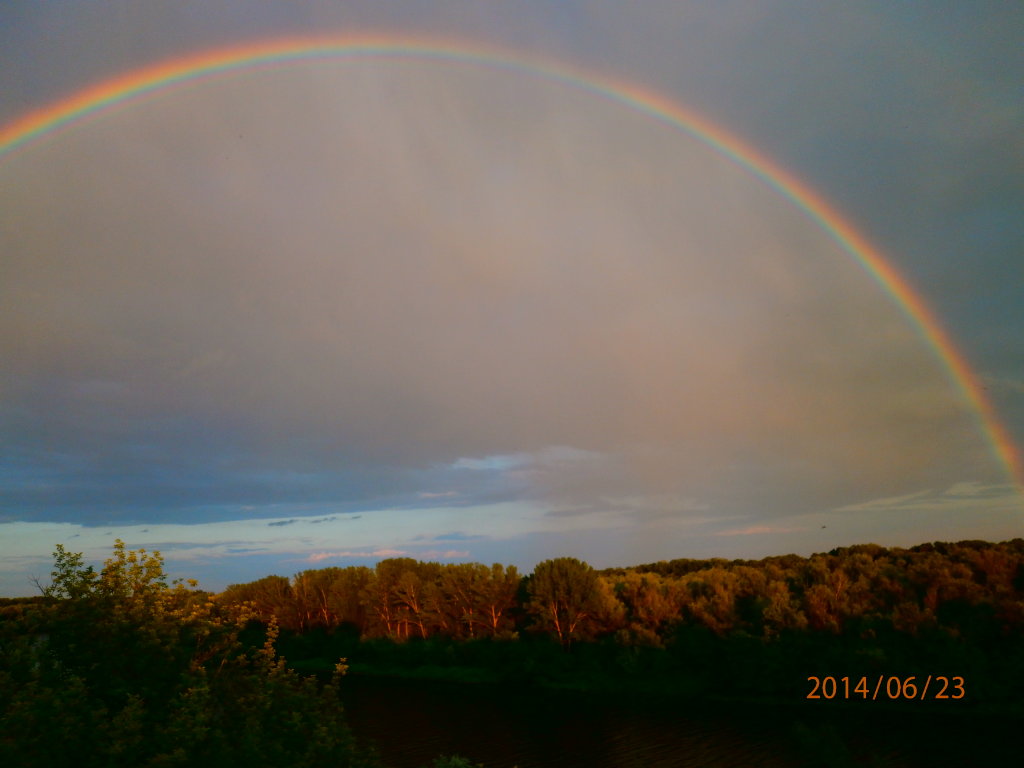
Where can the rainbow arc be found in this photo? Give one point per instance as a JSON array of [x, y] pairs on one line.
[[192, 67]]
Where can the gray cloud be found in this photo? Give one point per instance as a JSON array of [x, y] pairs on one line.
[[334, 282], [305, 520]]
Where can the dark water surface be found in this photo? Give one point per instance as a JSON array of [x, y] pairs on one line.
[[412, 722]]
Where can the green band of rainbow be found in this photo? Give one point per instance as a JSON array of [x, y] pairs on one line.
[[221, 60]]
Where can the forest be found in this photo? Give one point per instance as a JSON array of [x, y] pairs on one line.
[[683, 627], [965, 588], [120, 666]]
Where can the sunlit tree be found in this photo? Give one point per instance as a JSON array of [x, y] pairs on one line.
[[565, 598]]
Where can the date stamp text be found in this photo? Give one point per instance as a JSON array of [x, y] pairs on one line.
[[913, 688]]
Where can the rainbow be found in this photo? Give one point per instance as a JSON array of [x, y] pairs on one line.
[[216, 62]]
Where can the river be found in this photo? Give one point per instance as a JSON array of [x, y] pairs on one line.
[[411, 722]]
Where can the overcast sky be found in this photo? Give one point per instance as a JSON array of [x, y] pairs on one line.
[[323, 312]]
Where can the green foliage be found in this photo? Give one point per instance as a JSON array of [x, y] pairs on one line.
[[453, 762], [120, 668], [71, 578], [117, 666]]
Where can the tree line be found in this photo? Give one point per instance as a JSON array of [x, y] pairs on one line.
[[966, 589]]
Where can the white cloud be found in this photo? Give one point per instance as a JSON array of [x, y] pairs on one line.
[[439, 554], [318, 557]]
